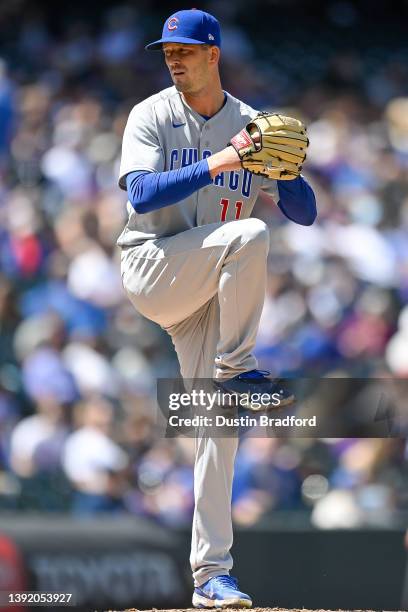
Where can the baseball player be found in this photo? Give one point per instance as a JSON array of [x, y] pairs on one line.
[[194, 261]]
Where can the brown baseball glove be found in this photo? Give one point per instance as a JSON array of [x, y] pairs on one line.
[[272, 145]]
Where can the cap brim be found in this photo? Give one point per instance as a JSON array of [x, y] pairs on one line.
[[157, 44]]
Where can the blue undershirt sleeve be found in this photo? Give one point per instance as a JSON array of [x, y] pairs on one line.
[[148, 191], [297, 201]]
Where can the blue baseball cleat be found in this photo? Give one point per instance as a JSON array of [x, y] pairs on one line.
[[256, 382], [220, 592]]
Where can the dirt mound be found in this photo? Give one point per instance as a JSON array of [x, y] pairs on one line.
[[240, 610]]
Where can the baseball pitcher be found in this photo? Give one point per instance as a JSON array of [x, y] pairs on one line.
[[194, 160]]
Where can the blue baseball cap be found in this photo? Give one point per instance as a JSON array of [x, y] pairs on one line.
[[191, 27]]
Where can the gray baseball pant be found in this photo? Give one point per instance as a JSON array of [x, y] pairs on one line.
[[206, 287]]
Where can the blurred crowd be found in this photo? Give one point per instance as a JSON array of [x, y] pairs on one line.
[[78, 365]]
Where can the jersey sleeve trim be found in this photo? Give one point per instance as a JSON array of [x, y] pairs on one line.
[[123, 180]]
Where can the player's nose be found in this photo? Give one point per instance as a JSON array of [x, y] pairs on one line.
[[175, 67]]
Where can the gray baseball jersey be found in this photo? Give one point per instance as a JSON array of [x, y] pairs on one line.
[[164, 133]]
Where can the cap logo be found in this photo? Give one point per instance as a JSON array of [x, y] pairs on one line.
[[172, 23], [210, 37]]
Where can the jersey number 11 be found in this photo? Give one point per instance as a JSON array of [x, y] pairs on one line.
[[225, 203]]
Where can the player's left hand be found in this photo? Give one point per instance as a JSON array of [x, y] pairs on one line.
[[272, 145]]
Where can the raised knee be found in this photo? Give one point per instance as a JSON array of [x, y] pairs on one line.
[[256, 231]]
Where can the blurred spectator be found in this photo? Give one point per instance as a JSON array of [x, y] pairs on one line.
[[36, 440], [93, 462], [35, 457]]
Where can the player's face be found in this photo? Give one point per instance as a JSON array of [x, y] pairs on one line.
[[189, 65]]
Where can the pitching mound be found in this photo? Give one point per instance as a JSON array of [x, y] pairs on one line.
[[240, 610]]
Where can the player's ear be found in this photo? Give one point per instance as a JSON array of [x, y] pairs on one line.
[[214, 54]]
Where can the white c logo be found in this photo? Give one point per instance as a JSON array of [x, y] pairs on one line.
[[172, 23]]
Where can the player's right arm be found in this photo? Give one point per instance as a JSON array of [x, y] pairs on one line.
[[148, 191], [142, 173]]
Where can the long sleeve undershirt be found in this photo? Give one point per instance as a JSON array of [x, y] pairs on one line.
[[148, 191], [297, 201]]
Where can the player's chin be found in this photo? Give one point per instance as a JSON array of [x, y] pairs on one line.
[[181, 84]]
